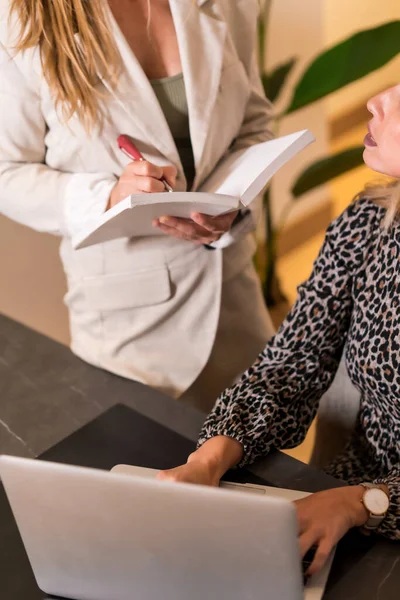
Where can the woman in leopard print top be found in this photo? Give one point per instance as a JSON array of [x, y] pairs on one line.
[[352, 298]]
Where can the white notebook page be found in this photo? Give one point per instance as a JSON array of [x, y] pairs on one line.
[[246, 172]]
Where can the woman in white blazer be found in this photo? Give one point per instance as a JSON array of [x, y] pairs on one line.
[[182, 312]]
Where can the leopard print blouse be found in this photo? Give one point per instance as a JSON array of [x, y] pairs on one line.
[[352, 298]]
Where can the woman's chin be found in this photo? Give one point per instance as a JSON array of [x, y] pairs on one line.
[[371, 159]]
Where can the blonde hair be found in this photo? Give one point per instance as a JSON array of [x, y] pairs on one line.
[[387, 196], [76, 45]]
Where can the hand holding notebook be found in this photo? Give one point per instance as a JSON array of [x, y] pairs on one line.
[[237, 180]]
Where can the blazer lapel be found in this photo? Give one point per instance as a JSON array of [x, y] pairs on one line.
[[201, 37], [136, 98]]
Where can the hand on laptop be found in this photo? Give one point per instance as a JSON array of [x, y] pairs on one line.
[[209, 463], [325, 517], [194, 472]]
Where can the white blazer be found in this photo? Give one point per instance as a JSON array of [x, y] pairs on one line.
[[145, 308]]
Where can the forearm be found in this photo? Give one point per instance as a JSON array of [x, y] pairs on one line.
[[49, 200], [219, 453], [273, 404], [29, 194], [275, 401]]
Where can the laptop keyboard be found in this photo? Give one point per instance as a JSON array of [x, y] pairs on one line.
[[306, 562]]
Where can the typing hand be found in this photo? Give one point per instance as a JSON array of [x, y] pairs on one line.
[[193, 472], [201, 229], [325, 517], [208, 463], [141, 177]]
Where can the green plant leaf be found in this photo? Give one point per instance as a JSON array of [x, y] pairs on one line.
[[328, 168], [346, 62], [274, 82]]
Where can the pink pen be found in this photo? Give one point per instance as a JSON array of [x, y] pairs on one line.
[[128, 148]]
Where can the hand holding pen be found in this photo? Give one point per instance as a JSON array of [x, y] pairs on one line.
[[140, 176], [129, 148]]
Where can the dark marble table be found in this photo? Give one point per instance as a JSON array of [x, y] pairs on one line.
[[47, 395]]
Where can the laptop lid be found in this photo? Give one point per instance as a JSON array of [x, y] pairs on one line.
[[315, 586], [92, 535]]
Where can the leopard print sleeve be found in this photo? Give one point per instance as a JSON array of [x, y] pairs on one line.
[[276, 399]]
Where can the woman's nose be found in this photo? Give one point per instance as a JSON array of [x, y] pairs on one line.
[[375, 104], [382, 103]]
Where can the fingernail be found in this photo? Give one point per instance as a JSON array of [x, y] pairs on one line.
[[167, 221]]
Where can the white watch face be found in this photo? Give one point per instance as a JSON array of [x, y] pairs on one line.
[[376, 501]]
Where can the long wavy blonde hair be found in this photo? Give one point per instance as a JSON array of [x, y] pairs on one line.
[[76, 45], [387, 196]]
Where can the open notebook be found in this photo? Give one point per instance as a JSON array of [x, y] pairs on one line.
[[235, 183]]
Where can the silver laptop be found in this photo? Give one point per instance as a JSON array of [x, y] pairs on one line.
[[96, 535]]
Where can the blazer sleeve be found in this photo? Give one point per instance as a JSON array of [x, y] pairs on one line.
[[258, 116], [257, 120], [31, 193]]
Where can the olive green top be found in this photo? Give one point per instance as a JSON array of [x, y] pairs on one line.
[[171, 94]]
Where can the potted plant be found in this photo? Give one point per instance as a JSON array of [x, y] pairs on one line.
[[346, 62]]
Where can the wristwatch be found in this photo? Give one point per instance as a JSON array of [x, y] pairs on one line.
[[376, 502]]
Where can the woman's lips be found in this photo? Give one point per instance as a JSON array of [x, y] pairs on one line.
[[369, 140]]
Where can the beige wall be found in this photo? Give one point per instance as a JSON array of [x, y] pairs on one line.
[[296, 29], [342, 18], [32, 282]]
